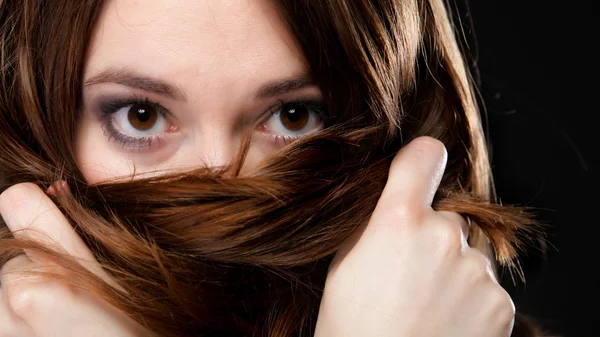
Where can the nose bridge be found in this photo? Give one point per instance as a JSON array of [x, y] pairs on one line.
[[216, 147], [209, 143], [215, 144], [211, 127]]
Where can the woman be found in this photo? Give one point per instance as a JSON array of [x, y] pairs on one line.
[[212, 157]]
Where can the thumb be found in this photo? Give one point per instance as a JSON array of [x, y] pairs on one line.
[[414, 177]]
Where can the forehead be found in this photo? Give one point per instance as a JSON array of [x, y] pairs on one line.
[[207, 39]]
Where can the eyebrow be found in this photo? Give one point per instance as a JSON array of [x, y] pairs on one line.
[[282, 87], [136, 80]]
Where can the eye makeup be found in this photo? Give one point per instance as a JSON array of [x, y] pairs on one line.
[[116, 117]]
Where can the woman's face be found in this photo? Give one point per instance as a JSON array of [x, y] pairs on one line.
[[173, 85]]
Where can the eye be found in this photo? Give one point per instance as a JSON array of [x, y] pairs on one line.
[[142, 116], [140, 119], [137, 124], [294, 119]]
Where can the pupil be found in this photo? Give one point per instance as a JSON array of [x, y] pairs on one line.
[[294, 117], [142, 116]]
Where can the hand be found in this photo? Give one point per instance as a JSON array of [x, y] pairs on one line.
[[35, 306], [411, 271]]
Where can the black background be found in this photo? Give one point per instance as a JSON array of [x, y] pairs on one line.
[[537, 65]]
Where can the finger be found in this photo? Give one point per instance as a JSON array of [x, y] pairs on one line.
[[10, 270], [32, 305], [59, 187], [458, 219], [36, 301], [10, 323], [30, 214], [414, 177], [58, 311]]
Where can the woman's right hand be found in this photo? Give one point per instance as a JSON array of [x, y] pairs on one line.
[[40, 306], [410, 272]]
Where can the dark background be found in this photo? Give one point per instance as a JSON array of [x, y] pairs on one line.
[[537, 66]]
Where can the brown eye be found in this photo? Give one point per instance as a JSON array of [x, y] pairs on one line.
[[294, 117], [292, 120], [142, 117]]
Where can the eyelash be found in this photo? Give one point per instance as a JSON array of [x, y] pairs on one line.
[[110, 107], [316, 106]]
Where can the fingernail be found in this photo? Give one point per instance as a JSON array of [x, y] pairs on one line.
[[59, 187], [63, 187], [51, 190]]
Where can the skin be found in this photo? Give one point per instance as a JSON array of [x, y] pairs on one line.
[[218, 54], [410, 271]]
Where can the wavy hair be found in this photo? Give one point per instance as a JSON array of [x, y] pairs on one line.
[[226, 254]]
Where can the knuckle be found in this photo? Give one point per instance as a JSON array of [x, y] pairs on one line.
[[449, 237], [406, 211], [478, 266], [502, 304], [389, 211], [21, 298], [26, 298]]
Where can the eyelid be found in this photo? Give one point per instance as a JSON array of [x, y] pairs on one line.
[[110, 106], [315, 104], [108, 109]]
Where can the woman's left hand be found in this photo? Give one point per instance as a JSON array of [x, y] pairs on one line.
[[35, 306]]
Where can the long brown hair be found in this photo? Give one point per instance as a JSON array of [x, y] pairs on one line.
[[225, 254]]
